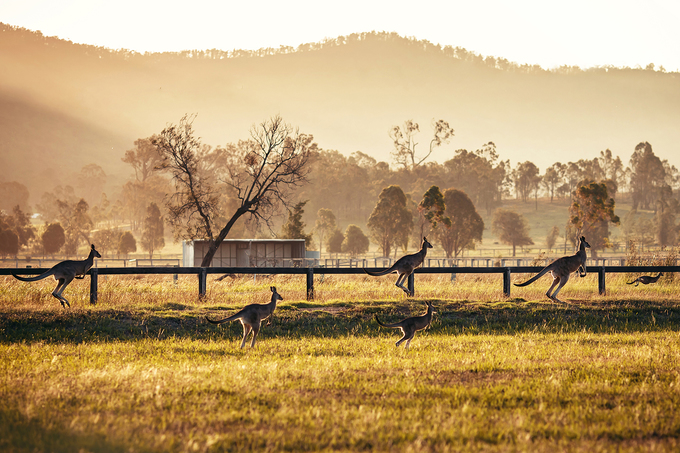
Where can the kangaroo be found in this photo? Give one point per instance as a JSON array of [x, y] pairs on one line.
[[405, 266], [410, 326], [64, 273], [561, 268], [251, 316], [645, 279]]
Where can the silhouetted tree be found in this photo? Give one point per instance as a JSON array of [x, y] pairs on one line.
[[591, 212], [431, 212], [324, 225], [647, 176], [53, 238], [152, 234], [127, 244], [511, 228], [334, 241], [391, 220], [260, 172], [355, 242], [107, 240], [404, 153], [466, 225], [9, 243], [294, 228], [527, 178]]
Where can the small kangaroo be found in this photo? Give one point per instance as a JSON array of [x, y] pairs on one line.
[[645, 279], [410, 326], [64, 273], [561, 268], [405, 266], [251, 316]]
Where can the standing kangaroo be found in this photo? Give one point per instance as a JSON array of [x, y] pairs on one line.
[[405, 266], [64, 273], [645, 279], [251, 316], [561, 268], [410, 326]]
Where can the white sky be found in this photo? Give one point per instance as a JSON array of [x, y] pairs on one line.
[[550, 33]]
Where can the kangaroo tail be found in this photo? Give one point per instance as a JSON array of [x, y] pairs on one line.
[[379, 273], [220, 321], [34, 279], [630, 283], [535, 277], [383, 324]]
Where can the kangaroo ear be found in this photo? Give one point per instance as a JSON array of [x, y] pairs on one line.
[[92, 245], [273, 288]]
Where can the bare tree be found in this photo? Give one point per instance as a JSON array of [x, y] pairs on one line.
[[405, 144], [260, 173]]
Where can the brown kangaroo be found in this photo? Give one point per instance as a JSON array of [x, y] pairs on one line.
[[561, 268], [405, 266], [410, 326], [645, 279], [251, 317], [64, 273]]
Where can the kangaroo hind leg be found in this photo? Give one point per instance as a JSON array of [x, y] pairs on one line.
[[555, 282], [246, 330], [61, 286], [256, 330], [563, 281], [400, 283]]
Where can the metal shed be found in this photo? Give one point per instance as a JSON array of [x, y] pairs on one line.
[[247, 253]]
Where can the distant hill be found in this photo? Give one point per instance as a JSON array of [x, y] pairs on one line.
[[64, 105]]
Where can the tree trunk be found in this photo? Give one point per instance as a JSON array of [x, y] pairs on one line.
[[214, 245]]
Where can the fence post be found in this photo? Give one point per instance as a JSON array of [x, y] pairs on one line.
[[411, 284], [94, 272], [202, 279], [310, 283], [601, 282], [506, 282]]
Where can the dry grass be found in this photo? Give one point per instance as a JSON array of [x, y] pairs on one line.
[[143, 371]]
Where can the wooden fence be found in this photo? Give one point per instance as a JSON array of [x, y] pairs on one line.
[[309, 272]]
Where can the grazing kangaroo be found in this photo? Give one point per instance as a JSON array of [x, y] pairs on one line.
[[410, 326], [64, 273], [645, 279], [405, 266], [561, 268], [251, 316]]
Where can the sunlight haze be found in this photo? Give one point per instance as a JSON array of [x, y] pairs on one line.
[[550, 34]]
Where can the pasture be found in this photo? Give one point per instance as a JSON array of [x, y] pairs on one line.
[[143, 371]]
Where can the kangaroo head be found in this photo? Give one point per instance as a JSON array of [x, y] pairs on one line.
[[96, 253], [430, 306], [275, 295], [426, 243], [583, 241]]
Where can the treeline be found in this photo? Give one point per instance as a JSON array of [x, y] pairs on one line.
[[341, 197], [13, 35]]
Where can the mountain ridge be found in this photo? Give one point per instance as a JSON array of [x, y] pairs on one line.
[[347, 92]]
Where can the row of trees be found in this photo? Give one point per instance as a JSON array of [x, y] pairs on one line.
[[239, 189]]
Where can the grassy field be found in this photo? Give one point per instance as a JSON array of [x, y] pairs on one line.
[[143, 371]]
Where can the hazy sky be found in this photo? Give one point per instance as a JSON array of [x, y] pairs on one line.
[[549, 33]]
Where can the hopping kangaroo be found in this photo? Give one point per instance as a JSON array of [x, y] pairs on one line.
[[561, 268], [410, 326], [64, 273], [645, 279], [405, 266], [251, 316]]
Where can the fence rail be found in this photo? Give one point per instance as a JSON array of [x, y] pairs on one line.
[[202, 273]]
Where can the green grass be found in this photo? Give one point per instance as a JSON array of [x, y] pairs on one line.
[[143, 371]]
